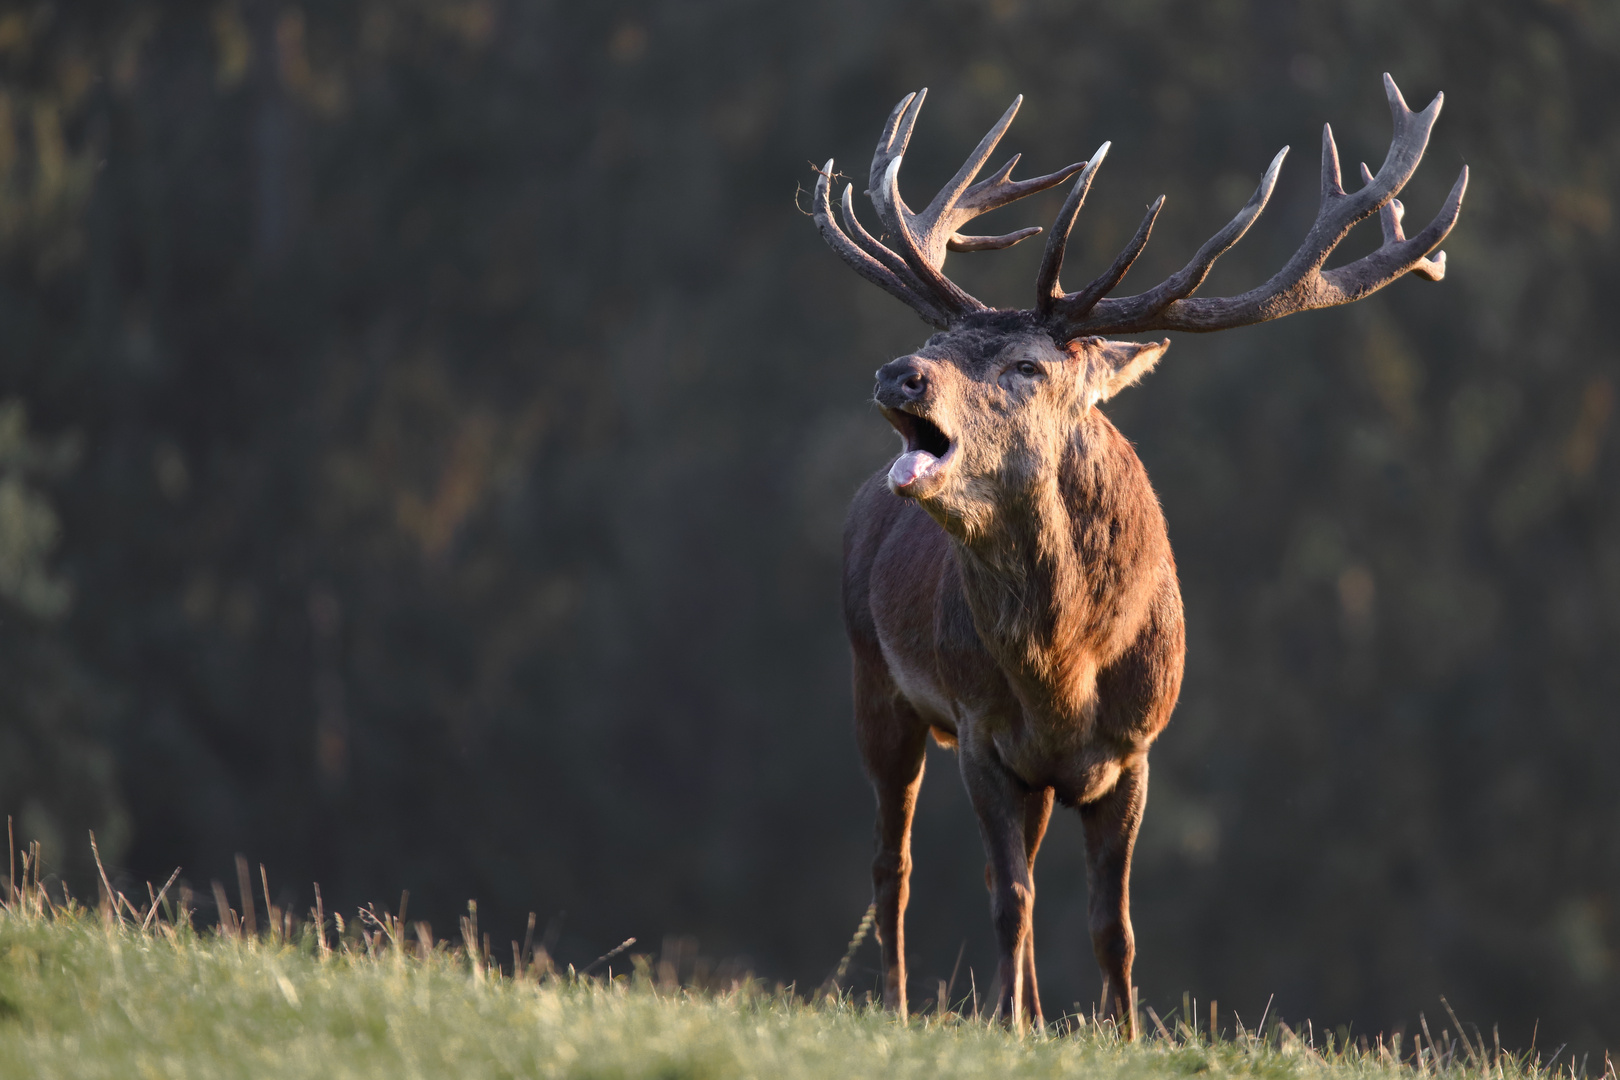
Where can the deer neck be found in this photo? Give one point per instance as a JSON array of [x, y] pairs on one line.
[[1032, 580]]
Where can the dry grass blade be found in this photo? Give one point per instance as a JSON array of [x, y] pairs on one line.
[[108, 897], [116, 900], [424, 940], [1158, 1024], [224, 913], [244, 889], [146, 923], [609, 955], [526, 958], [1476, 1060], [383, 922], [469, 930], [956, 967], [322, 947], [864, 928], [271, 922]]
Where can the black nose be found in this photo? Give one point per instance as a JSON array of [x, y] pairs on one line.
[[900, 381]]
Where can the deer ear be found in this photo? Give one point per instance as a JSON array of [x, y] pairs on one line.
[[1120, 363]]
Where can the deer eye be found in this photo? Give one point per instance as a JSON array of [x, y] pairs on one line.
[[1027, 369]]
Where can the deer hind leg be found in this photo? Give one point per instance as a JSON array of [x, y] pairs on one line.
[[1110, 824], [893, 742], [1000, 801]]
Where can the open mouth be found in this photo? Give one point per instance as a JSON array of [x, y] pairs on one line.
[[927, 450]]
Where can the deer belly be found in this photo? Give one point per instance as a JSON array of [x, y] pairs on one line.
[[920, 687]]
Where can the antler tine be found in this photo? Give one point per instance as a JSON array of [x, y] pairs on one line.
[[1389, 220], [998, 191], [935, 227], [1083, 301], [891, 150], [958, 242], [897, 129], [880, 273], [1332, 180], [944, 204], [1301, 284], [1411, 136], [1075, 308], [1395, 256], [1048, 289], [920, 240]]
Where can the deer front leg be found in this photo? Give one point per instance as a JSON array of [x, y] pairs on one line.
[[999, 801], [891, 877], [1110, 826], [1037, 812], [893, 745]]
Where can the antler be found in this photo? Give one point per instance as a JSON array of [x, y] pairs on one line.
[[1300, 285], [913, 273]]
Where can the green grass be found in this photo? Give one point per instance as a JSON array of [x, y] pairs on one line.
[[85, 994]]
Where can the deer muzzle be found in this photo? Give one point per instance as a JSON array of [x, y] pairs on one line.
[[920, 468], [902, 390]]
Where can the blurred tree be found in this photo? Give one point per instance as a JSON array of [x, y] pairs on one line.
[[58, 776]]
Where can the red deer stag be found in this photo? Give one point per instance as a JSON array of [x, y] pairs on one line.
[[1008, 582]]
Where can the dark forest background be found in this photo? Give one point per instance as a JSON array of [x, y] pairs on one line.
[[425, 429]]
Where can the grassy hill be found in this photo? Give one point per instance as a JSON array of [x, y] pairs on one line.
[[88, 993]]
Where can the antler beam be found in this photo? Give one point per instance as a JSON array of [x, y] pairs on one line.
[[1301, 284]]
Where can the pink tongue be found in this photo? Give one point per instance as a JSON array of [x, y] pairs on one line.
[[908, 467]]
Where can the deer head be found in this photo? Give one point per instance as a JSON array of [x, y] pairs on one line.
[[987, 410], [991, 399]]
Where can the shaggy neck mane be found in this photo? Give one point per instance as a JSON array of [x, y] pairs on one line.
[[1048, 577]]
